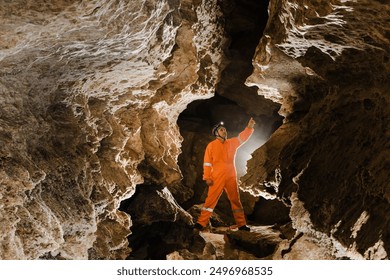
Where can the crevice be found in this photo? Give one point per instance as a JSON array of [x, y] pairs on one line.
[[234, 103], [158, 227]]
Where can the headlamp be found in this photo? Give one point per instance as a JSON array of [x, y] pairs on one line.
[[216, 127]]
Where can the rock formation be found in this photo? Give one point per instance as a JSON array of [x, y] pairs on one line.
[[106, 107], [327, 64]]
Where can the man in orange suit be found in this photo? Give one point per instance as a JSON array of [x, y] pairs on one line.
[[219, 173]]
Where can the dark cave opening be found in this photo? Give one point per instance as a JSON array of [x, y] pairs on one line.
[[234, 102], [195, 127], [156, 231]]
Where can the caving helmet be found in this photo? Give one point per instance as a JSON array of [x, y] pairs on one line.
[[216, 127]]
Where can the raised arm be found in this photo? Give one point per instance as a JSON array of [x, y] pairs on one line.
[[247, 132]]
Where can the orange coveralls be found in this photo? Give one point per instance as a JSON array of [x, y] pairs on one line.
[[219, 166]]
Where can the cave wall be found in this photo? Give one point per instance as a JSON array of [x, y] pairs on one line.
[[90, 94], [329, 159]]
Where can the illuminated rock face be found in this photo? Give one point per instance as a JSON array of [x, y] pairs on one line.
[[327, 64], [91, 93]]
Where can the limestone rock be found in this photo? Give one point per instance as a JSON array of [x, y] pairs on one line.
[[330, 154], [90, 94]]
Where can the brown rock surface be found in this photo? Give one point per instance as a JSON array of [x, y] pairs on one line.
[[90, 94], [331, 65]]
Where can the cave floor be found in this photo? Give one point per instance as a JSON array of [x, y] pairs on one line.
[[271, 242], [228, 243]]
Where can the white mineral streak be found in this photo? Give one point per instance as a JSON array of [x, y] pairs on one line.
[[359, 223], [298, 41]]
